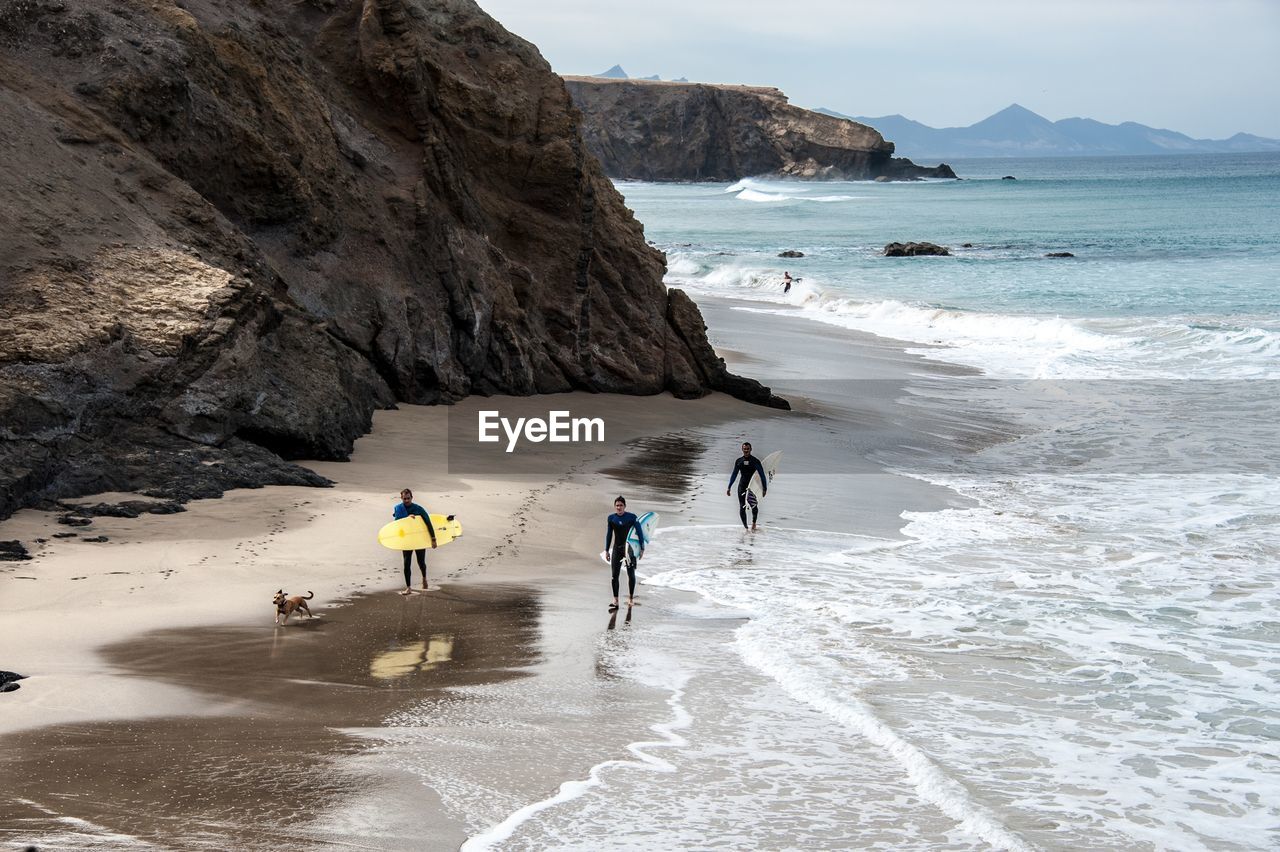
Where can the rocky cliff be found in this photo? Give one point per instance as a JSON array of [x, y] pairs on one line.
[[658, 131], [232, 230]]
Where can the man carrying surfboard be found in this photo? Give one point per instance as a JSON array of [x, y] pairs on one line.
[[619, 526], [748, 466], [404, 509]]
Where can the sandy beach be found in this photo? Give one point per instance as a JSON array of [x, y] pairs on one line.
[[164, 709]]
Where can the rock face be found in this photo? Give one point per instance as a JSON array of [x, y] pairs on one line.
[[671, 131], [233, 230]]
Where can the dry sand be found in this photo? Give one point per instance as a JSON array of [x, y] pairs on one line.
[[219, 562]]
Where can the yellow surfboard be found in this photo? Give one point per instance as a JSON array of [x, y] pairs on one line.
[[447, 522], [411, 533]]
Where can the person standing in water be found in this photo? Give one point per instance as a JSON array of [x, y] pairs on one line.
[[618, 526], [786, 282], [746, 466], [404, 509]]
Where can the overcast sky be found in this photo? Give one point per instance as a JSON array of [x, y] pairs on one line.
[[1208, 68]]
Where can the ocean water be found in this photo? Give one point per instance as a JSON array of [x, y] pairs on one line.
[[1088, 657], [1085, 654], [1176, 259]]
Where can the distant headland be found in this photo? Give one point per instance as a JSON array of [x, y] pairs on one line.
[[679, 131]]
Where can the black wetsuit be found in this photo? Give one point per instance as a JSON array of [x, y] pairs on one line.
[[747, 465], [400, 512], [618, 528]]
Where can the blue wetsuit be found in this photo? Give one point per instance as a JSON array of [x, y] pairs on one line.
[[618, 527], [400, 512]]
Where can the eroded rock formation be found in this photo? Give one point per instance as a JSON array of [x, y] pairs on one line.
[[666, 131], [916, 250], [233, 230]]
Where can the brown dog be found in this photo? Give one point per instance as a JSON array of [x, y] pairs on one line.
[[286, 606]]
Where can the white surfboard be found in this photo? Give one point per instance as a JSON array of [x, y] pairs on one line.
[[770, 464], [648, 521]]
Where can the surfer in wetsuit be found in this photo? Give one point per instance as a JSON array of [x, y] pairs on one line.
[[746, 466], [619, 526], [786, 282], [405, 508]]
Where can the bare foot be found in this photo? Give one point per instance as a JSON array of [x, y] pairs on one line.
[[753, 527], [613, 606], [424, 585], [407, 592], [631, 602]]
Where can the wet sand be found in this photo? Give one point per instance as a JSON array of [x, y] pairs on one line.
[[165, 710], [243, 778]]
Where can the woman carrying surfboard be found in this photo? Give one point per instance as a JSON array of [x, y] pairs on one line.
[[404, 509], [619, 526]]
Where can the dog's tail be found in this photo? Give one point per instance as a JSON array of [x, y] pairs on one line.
[[310, 594]]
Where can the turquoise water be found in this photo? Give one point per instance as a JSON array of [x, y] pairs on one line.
[[1175, 240], [1084, 657]]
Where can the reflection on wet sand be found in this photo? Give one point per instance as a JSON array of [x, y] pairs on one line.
[[608, 651], [403, 661], [667, 463], [217, 782], [613, 619]]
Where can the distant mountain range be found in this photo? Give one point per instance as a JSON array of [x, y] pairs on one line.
[[1016, 131], [616, 73]]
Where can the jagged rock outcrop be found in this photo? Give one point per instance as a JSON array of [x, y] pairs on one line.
[[13, 551], [233, 230], [667, 131], [916, 250]]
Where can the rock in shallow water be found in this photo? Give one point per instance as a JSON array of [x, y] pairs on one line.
[[915, 249]]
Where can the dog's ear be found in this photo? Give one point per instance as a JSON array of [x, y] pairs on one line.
[[279, 591]]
